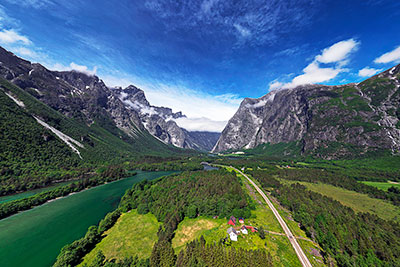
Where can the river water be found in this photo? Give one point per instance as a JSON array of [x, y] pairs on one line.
[[34, 237]]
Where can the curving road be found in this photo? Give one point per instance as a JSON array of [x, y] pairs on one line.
[[299, 251]]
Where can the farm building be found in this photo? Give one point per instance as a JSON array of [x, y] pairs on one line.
[[241, 220], [232, 221], [244, 230], [232, 234]]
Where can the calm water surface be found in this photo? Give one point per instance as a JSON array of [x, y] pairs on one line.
[[34, 237]]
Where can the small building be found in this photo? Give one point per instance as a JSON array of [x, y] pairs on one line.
[[232, 221], [215, 217], [232, 233], [253, 229], [241, 220], [244, 230]]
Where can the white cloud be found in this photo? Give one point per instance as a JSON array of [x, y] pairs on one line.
[[338, 52], [207, 5], [73, 66], [336, 55], [367, 72], [392, 56], [11, 37], [201, 124], [275, 85], [25, 52], [205, 112], [242, 30], [313, 73]]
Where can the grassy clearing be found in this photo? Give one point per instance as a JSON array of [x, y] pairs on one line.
[[191, 229], [133, 234], [382, 185], [357, 201]]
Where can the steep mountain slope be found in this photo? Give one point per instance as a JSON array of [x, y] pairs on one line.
[[39, 145], [87, 99], [329, 121], [159, 121]]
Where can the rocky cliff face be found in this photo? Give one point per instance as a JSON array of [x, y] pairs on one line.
[[330, 121], [72, 93], [88, 99], [159, 121]]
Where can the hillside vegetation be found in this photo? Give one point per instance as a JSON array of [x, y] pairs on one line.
[[32, 156]]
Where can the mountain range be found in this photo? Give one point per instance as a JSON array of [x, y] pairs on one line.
[[91, 118], [87, 99], [325, 121]]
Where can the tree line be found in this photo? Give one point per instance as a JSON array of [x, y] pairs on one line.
[[349, 238], [336, 179], [109, 174]]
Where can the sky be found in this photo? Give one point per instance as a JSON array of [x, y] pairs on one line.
[[202, 57]]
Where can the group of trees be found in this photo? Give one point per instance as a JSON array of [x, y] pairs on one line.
[[338, 179], [167, 164], [109, 174], [171, 199], [190, 194], [351, 239], [199, 253]]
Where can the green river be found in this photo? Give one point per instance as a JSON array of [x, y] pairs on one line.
[[35, 237]]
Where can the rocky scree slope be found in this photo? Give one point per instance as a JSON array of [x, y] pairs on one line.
[[326, 121]]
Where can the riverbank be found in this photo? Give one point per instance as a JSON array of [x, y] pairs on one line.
[[9, 208], [25, 194], [35, 237]]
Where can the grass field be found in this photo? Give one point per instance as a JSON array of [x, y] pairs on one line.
[[133, 234], [357, 201], [191, 229], [382, 185]]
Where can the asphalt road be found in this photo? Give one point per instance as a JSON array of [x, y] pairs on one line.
[[299, 251]]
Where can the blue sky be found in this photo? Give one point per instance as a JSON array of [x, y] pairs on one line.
[[204, 56]]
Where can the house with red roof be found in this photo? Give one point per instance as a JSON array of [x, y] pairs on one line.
[[232, 221]]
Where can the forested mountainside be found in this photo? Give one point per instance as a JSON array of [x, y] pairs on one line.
[[87, 99], [40, 145], [325, 121]]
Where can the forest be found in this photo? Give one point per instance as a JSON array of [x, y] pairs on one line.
[[336, 179], [171, 199], [349, 238]]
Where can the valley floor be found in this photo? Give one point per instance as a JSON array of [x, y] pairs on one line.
[[357, 201]]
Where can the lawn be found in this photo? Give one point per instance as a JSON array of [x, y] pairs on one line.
[[382, 185], [357, 201], [133, 234]]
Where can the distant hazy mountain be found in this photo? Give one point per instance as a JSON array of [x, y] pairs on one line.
[[327, 121], [159, 121], [87, 99]]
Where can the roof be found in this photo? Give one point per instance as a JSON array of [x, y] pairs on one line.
[[244, 227], [232, 218], [231, 230]]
